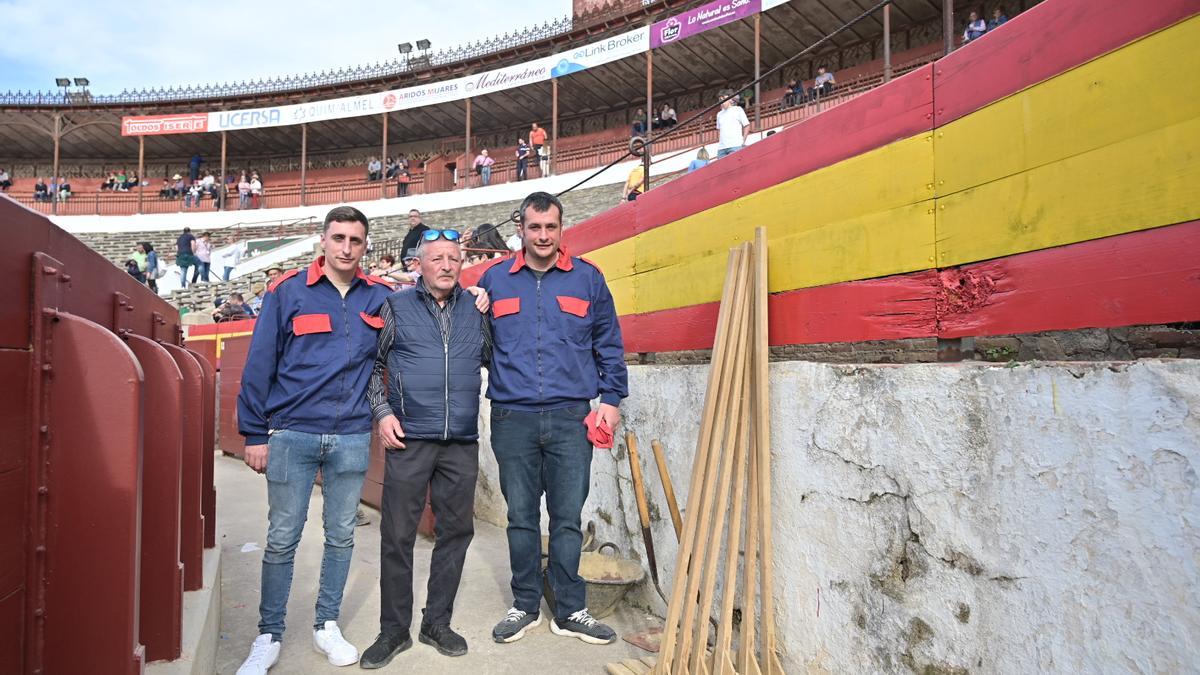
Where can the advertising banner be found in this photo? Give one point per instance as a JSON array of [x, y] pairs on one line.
[[701, 19], [605, 51], [157, 125]]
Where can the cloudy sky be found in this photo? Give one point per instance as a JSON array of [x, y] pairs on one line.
[[133, 45]]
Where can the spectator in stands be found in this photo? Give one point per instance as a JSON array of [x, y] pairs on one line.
[[522, 158], [999, 18], [487, 236], [483, 166], [164, 192], [180, 186], [243, 188], [134, 270], [120, 184], [700, 162], [639, 123], [111, 183], [132, 181], [140, 259], [194, 167], [208, 185], [732, 126], [258, 288], [374, 169], [667, 117], [203, 250], [822, 85], [794, 94], [193, 195], [153, 267], [273, 272], [635, 183], [232, 257], [64, 189], [390, 168], [537, 138], [233, 309], [185, 255], [41, 193], [5, 181], [976, 27], [403, 178], [256, 191], [415, 227]]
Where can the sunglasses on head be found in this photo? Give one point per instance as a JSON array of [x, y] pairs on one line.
[[434, 235]]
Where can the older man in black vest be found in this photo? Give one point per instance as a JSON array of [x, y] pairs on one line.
[[424, 394]]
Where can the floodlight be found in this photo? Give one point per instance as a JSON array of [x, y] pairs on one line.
[[81, 82], [422, 44], [405, 47], [62, 81]]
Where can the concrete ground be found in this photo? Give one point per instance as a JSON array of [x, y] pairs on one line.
[[482, 600]]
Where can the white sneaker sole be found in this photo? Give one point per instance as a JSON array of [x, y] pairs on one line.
[[582, 636], [521, 633], [335, 661]]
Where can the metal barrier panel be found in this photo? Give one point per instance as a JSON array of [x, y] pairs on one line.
[[14, 369], [92, 496], [162, 442], [233, 360], [191, 519], [208, 492]]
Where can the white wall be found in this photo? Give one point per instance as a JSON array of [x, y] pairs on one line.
[[953, 518]]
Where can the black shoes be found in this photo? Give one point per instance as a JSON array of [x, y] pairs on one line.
[[514, 625], [442, 638], [385, 649], [581, 625]]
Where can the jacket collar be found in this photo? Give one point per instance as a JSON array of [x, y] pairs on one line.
[[317, 270], [564, 260]]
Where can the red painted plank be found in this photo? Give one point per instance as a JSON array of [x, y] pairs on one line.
[[1132, 279], [1144, 277], [1042, 42], [896, 110]]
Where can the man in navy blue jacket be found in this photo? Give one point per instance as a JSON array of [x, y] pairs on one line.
[[302, 409], [556, 346], [425, 397]]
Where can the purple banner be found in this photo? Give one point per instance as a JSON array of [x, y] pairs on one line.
[[701, 19]]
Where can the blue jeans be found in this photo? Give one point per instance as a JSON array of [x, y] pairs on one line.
[[486, 172], [202, 269], [292, 463], [728, 151], [225, 276], [544, 452]]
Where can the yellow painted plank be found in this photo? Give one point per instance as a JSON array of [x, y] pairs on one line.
[[877, 244], [1149, 84], [898, 174], [1143, 182]]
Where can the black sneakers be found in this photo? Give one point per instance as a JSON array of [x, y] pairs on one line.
[[442, 638], [583, 626], [514, 625], [385, 649]]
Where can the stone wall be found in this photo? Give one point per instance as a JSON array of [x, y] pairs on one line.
[[952, 518]]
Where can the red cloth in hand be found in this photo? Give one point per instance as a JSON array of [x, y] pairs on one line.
[[600, 436]]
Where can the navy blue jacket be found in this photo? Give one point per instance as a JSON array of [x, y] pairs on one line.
[[433, 380], [311, 356], [556, 340]]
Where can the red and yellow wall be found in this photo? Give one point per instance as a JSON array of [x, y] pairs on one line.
[[1046, 177]]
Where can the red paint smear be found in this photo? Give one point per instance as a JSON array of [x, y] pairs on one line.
[[896, 110], [1040, 43]]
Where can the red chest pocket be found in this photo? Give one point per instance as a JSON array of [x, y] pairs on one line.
[[375, 322], [505, 307], [570, 305], [306, 324]]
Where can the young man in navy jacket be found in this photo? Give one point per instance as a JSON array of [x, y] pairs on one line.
[[303, 409], [556, 346]]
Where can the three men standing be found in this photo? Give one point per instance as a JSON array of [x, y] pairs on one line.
[[557, 345]]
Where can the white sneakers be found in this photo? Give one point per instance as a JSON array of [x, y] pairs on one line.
[[329, 641], [264, 652]]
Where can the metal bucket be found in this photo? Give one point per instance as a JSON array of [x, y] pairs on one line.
[[608, 578]]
